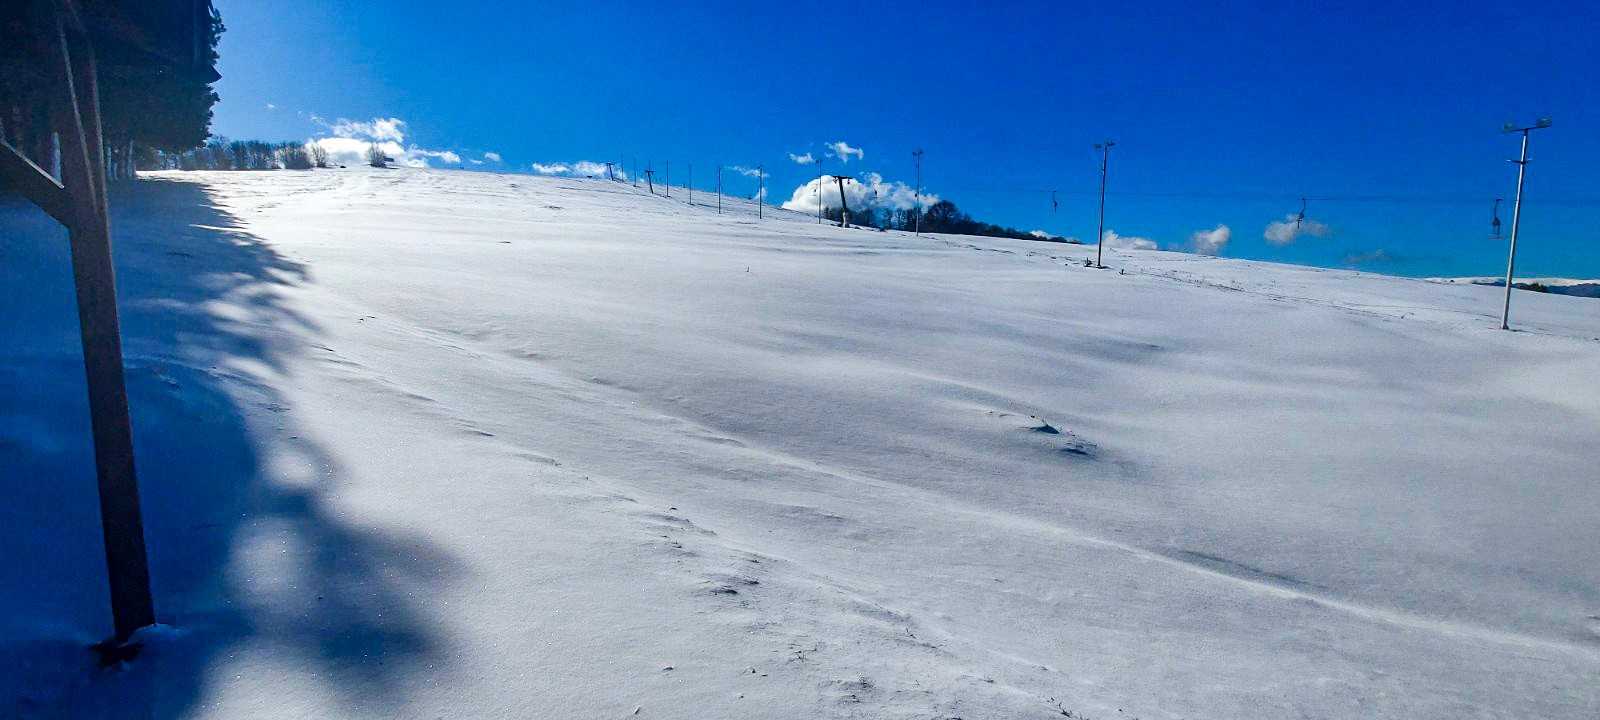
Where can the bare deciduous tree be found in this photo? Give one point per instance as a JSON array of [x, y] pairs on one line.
[[293, 156], [319, 155]]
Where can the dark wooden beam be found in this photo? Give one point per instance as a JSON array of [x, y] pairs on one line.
[[20, 175], [76, 117]]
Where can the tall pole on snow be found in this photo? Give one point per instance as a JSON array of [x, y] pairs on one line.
[[1100, 237], [1516, 212], [819, 192], [719, 189], [844, 203], [761, 192], [70, 103], [918, 155], [691, 183], [668, 182]]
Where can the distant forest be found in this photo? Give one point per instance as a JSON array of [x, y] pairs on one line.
[[143, 103], [941, 217], [224, 154]]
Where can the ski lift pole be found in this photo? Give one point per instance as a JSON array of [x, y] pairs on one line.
[[1516, 213], [1100, 237], [917, 223]]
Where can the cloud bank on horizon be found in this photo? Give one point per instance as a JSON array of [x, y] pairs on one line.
[[581, 168], [1126, 242], [868, 191], [351, 138]]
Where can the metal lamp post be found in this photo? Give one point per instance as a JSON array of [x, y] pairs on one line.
[[1516, 212]]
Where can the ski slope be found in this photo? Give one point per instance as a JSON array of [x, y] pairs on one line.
[[432, 444]]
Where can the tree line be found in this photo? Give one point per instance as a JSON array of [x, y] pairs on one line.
[[224, 154], [154, 86], [940, 217]]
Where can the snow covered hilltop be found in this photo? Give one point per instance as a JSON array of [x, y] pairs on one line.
[[426, 444], [1559, 286]]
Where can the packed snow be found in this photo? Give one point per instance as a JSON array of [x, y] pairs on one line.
[[433, 444]]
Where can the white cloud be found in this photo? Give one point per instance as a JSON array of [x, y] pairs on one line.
[[379, 129], [843, 151], [748, 172], [418, 154], [1287, 230], [1112, 240], [271, 106], [475, 161], [592, 169], [1040, 234], [805, 159], [870, 190], [1210, 242], [492, 156], [350, 140], [585, 168]]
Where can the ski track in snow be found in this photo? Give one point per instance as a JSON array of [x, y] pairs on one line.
[[662, 462]]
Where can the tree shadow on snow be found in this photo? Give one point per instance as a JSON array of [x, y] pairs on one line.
[[327, 598]]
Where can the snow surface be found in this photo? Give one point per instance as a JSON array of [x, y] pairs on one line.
[[423, 444]]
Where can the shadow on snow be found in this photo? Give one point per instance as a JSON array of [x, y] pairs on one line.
[[327, 597]]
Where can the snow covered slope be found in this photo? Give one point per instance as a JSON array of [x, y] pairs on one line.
[[426, 444]]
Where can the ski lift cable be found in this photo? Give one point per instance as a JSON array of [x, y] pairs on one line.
[[1203, 195]]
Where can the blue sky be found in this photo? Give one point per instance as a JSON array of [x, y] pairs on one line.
[[1223, 113]]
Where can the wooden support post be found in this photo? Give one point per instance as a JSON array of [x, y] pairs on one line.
[[76, 117]]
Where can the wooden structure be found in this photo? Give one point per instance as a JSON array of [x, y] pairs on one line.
[[52, 152]]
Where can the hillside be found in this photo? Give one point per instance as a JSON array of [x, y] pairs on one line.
[[421, 444]]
